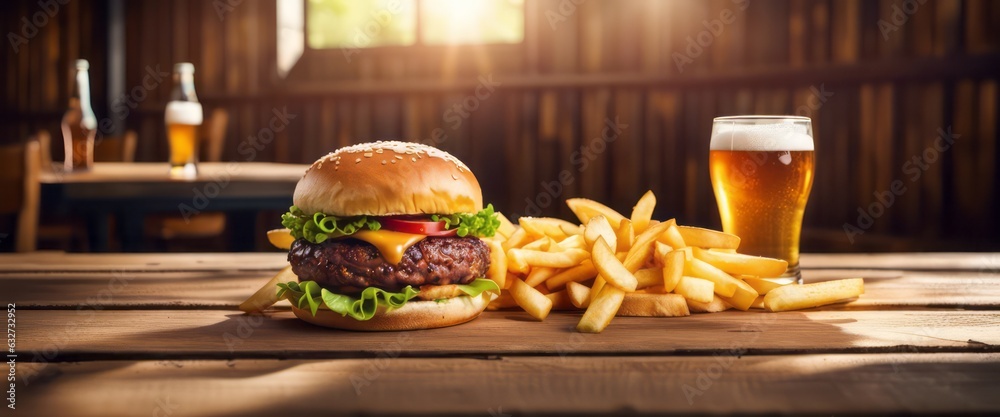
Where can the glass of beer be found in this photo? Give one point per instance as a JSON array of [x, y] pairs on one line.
[[762, 171], [183, 116]]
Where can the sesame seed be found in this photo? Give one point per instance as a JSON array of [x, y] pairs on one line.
[[394, 161], [384, 162], [378, 150], [368, 154], [398, 157], [413, 159], [454, 177], [357, 161]]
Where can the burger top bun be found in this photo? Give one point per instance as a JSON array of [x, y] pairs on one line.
[[388, 178]]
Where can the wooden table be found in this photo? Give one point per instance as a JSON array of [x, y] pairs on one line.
[[130, 191], [112, 334]]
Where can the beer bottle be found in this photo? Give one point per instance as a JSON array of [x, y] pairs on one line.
[[79, 125], [183, 116]]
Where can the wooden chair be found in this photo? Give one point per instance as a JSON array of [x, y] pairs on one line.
[[19, 181], [204, 225], [116, 148]]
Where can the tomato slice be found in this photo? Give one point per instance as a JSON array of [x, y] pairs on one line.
[[416, 225]]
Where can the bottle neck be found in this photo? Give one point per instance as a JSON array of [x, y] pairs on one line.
[[183, 87], [80, 96]]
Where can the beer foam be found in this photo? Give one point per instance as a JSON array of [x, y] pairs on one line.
[[767, 136], [183, 113]]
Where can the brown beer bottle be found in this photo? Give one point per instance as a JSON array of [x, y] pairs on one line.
[[79, 125]]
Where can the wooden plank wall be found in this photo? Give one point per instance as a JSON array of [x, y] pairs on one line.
[[579, 66]]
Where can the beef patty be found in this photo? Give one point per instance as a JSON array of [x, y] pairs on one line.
[[347, 266]]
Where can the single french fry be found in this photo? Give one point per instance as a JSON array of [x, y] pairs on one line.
[[707, 238], [653, 305], [506, 227], [601, 310], [648, 277], [267, 295], [673, 270], [516, 263], [531, 300], [572, 242], [509, 279], [596, 288], [579, 294], [765, 285], [739, 264], [743, 297], [543, 244], [642, 213], [516, 239], [498, 263], [717, 305], [598, 227], [725, 285], [796, 297], [723, 250], [585, 208], [578, 273], [561, 301], [643, 247], [626, 236], [611, 268], [562, 259], [538, 275], [549, 226], [695, 288], [671, 235], [660, 251], [758, 303], [280, 238]]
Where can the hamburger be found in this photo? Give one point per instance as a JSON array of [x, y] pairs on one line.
[[388, 237]]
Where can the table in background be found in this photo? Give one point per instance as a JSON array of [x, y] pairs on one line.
[[130, 191], [129, 334]]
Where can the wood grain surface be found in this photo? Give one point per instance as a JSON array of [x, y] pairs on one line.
[[515, 386]]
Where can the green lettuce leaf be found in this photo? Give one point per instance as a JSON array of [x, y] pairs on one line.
[[482, 224], [362, 306], [319, 227]]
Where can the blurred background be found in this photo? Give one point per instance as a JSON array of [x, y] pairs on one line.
[[544, 100]]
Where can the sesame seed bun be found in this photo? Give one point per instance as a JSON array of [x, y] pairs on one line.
[[388, 178]]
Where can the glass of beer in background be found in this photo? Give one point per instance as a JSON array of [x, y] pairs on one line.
[[183, 117], [762, 171]]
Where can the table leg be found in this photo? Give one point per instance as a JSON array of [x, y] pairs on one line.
[[97, 231], [130, 230], [242, 227]]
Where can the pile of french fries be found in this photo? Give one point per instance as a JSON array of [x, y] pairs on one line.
[[612, 265]]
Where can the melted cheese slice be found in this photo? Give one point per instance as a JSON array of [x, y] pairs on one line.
[[391, 244]]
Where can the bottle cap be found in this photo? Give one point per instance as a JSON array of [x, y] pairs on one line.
[[82, 64]]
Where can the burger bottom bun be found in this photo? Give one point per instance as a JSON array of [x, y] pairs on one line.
[[414, 315]]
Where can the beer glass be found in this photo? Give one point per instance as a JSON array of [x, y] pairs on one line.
[[183, 116], [762, 171]]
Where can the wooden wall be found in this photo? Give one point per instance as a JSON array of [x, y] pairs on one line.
[[579, 66]]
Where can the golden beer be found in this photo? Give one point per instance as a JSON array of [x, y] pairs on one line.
[[183, 116], [762, 171]]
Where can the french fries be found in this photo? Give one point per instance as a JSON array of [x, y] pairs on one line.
[[611, 269], [737, 264], [638, 266], [601, 310], [506, 228], [797, 297], [267, 295], [697, 289], [531, 300]]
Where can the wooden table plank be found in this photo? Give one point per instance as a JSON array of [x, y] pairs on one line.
[[110, 262], [95, 334], [948, 261], [137, 172], [799, 384], [885, 289]]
